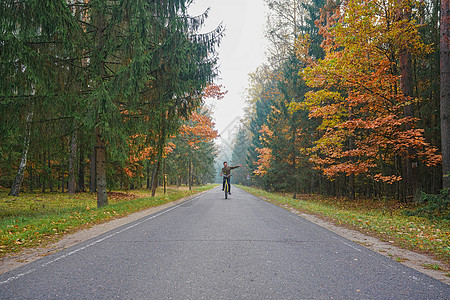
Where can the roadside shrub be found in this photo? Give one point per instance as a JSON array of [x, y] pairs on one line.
[[433, 206]]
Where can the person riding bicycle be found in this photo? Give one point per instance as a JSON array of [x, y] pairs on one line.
[[226, 173]]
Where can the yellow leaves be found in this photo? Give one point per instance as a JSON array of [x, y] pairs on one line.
[[296, 106], [264, 159], [302, 45], [356, 96]]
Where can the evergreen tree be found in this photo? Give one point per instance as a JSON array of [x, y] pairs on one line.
[[240, 151], [114, 68]]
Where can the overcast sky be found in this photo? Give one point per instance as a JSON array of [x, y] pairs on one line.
[[242, 50]]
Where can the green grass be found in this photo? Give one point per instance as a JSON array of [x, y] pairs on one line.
[[36, 219], [432, 266], [384, 219]]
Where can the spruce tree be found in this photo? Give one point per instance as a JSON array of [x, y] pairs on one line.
[[116, 69]]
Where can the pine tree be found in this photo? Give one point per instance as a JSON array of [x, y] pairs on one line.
[[114, 68]]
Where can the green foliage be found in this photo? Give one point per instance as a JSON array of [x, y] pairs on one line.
[[433, 206], [239, 155], [127, 67], [432, 267]]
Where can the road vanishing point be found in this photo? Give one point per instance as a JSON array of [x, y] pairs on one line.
[[209, 247]]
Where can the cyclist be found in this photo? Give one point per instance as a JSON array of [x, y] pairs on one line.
[[226, 173]]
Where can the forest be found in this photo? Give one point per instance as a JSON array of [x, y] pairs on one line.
[[352, 100], [99, 95]]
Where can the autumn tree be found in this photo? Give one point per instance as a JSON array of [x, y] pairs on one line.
[[194, 150], [359, 99], [272, 88]]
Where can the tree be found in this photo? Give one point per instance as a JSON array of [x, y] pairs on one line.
[[99, 59], [363, 125], [193, 148], [241, 145], [276, 159], [15, 188], [35, 38], [445, 93], [284, 23]]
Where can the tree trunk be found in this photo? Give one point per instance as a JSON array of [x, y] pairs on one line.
[[49, 166], [100, 149], [72, 163], [294, 161], [445, 93], [161, 143], [81, 171], [62, 178], [164, 176], [44, 173], [152, 178], [93, 175], [148, 175], [409, 173], [155, 176], [190, 174], [98, 61], [31, 184], [17, 184]]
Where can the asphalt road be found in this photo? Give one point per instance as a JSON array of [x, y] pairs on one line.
[[212, 248]]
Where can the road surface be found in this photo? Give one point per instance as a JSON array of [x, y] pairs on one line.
[[212, 248]]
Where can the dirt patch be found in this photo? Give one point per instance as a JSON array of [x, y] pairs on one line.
[[119, 196]]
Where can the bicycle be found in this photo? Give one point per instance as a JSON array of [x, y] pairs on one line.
[[227, 186]]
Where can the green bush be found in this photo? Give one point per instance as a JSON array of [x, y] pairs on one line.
[[433, 206]]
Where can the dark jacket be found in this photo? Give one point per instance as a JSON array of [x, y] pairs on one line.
[[226, 171]]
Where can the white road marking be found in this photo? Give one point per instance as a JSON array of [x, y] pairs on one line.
[[347, 244], [96, 242]]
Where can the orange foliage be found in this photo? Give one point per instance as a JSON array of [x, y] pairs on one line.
[[200, 128], [138, 152], [357, 96], [264, 159], [214, 91]]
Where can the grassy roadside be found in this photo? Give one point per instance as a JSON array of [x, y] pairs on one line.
[[37, 219], [385, 220]]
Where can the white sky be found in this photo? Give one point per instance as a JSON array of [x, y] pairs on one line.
[[242, 50]]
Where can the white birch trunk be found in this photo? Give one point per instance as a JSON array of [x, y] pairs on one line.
[[17, 184]]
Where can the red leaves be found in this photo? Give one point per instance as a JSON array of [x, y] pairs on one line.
[[214, 91]]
